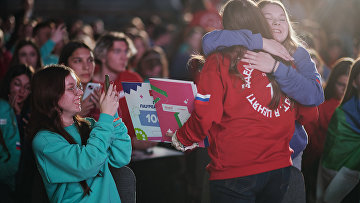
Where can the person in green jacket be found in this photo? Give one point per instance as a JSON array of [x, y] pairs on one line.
[[339, 169], [9, 151], [73, 154]]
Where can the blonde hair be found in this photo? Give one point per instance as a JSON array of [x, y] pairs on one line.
[[292, 41]]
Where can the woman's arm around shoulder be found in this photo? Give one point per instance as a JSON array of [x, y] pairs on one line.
[[301, 83], [226, 38]]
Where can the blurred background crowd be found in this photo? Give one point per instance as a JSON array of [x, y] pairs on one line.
[[327, 26], [163, 35]]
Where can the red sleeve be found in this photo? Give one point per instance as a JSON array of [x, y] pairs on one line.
[[210, 87], [317, 131], [4, 63], [305, 114]]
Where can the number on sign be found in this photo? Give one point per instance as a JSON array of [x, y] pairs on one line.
[[151, 118]]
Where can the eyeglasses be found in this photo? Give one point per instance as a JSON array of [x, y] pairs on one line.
[[75, 89]]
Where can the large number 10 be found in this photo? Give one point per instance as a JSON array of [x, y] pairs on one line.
[[151, 118]]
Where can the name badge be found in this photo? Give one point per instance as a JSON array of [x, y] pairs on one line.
[[3, 121]]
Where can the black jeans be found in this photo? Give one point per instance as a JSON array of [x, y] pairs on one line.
[[267, 187]]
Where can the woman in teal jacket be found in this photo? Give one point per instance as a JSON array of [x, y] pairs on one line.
[[73, 154]]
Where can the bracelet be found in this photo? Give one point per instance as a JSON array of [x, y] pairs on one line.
[[176, 143], [273, 68]]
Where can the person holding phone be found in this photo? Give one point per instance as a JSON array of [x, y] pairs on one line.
[[79, 57], [73, 154]]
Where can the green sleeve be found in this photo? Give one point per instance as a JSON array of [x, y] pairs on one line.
[[342, 145]]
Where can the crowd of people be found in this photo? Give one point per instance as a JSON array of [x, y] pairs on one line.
[[278, 102]]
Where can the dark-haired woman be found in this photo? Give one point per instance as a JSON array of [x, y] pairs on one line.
[[15, 89], [73, 154], [27, 52], [15, 92], [79, 57]]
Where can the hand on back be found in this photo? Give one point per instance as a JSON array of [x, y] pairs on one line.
[[275, 48], [261, 61]]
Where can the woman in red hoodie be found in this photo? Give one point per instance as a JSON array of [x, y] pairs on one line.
[[248, 120]]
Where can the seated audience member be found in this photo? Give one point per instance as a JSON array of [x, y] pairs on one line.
[[27, 52], [153, 64], [47, 35], [190, 46], [73, 154], [113, 51], [79, 57]]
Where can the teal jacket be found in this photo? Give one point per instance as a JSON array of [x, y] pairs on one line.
[[63, 165], [46, 56], [11, 135]]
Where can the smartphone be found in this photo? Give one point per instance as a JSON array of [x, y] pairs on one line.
[[90, 88], [107, 83]]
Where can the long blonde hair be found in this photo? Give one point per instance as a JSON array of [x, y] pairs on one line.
[[292, 41]]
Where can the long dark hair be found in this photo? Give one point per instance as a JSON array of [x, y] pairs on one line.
[[13, 72], [342, 67], [20, 44], [69, 49], [244, 14], [48, 86], [351, 91]]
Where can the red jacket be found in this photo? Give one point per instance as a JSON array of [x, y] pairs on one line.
[[245, 136], [317, 132]]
